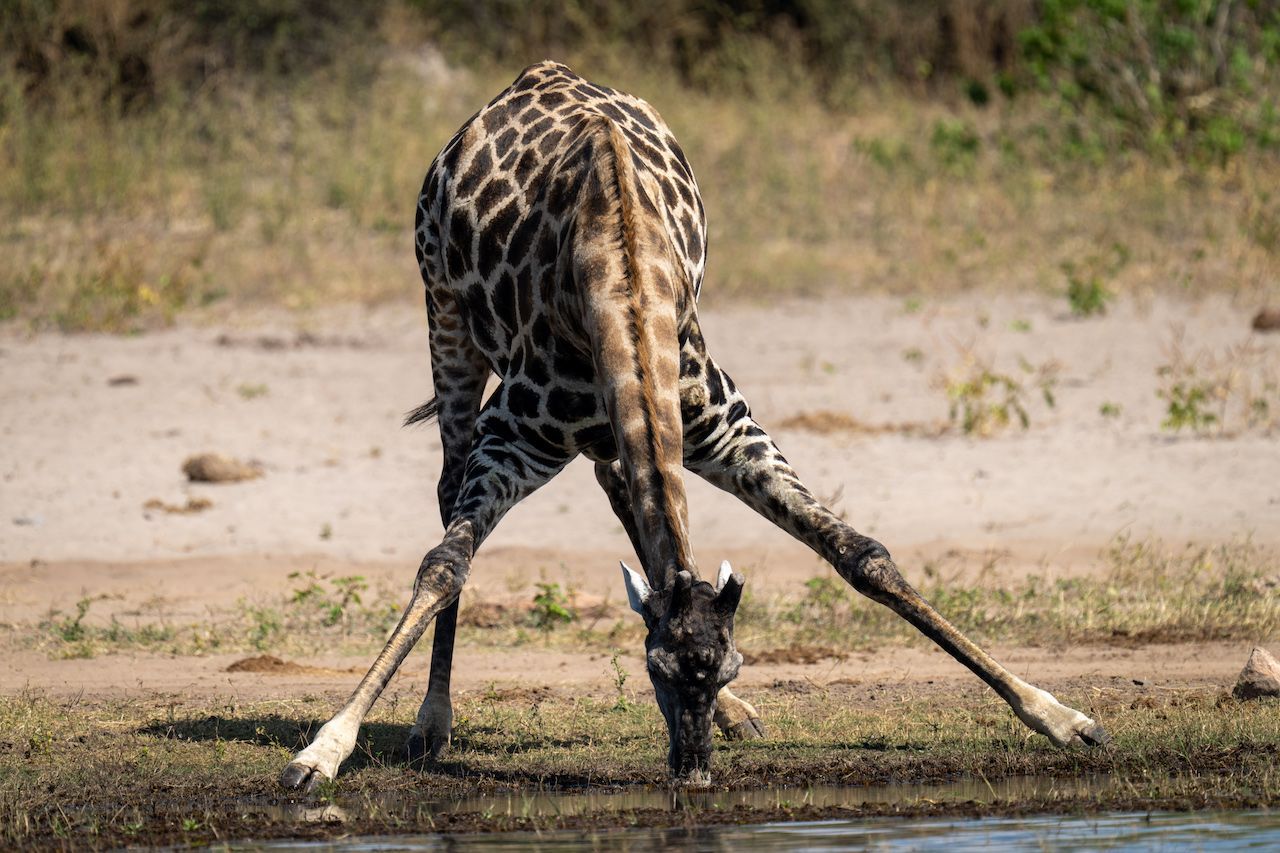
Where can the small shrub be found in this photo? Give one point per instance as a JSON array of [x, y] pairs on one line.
[[72, 630], [1086, 297], [1188, 406], [984, 402], [825, 592], [1086, 294], [551, 608], [955, 143], [620, 676], [265, 627], [1212, 392], [334, 605]]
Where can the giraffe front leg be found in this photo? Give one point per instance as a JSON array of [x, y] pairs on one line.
[[729, 449], [440, 578], [736, 719], [500, 472]]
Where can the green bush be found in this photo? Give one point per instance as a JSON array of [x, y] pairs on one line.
[[1187, 73], [1182, 73]]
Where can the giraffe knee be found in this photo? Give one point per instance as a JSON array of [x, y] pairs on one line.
[[867, 566], [444, 570]]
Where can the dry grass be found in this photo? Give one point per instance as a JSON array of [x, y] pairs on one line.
[[827, 422], [302, 195], [1144, 592]]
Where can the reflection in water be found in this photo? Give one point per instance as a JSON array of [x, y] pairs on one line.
[[1210, 831], [1205, 831], [559, 803], [522, 804]]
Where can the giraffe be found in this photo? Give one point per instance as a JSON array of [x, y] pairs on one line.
[[562, 242]]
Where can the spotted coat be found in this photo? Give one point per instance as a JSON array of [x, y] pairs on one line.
[[562, 241]]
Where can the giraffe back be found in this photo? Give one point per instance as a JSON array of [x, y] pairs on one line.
[[498, 204]]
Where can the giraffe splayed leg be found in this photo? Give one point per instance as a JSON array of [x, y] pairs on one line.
[[498, 474], [731, 451]]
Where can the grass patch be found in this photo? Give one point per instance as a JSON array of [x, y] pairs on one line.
[[119, 216], [1143, 592], [101, 774], [1218, 393]]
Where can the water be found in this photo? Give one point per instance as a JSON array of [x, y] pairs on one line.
[[1207, 831], [1210, 831]]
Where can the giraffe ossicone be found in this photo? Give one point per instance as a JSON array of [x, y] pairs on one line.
[[638, 590], [562, 242]]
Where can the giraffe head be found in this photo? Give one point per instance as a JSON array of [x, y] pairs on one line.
[[690, 655]]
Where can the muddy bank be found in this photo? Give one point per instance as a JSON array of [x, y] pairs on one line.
[[170, 769]]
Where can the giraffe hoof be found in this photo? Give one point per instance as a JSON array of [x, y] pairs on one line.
[[749, 729], [1093, 735], [423, 749], [416, 749], [301, 777]]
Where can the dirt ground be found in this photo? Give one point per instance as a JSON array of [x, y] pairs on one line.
[[93, 427]]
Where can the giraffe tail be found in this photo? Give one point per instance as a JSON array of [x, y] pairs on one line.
[[424, 414], [633, 293]]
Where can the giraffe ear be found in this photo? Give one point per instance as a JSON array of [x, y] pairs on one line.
[[638, 590], [726, 572]]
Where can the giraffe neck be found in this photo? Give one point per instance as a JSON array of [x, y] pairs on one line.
[[631, 288]]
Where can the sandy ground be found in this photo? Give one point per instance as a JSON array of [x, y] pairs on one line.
[[317, 401]]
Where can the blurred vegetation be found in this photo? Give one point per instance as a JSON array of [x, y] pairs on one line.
[[157, 156]]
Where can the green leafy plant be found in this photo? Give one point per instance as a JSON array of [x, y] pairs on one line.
[[1188, 403], [551, 608], [1213, 391], [72, 629], [332, 598], [955, 143], [984, 402], [1087, 295], [620, 676], [1087, 292], [824, 592], [265, 627]]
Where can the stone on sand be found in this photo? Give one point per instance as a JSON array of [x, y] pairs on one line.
[[216, 468], [1260, 676]]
